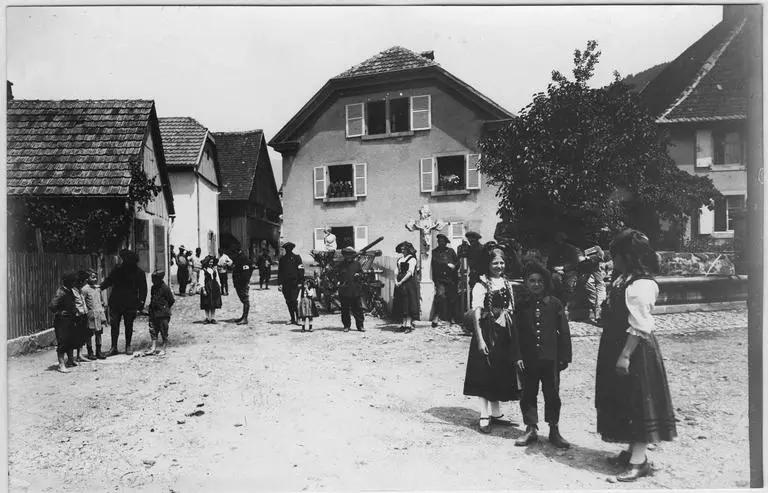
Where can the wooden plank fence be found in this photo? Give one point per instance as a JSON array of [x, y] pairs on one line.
[[32, 281]]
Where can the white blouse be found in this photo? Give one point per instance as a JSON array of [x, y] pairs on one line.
[[640, 297], [479, 291]]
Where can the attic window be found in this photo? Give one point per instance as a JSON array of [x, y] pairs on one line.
[[389, 116]]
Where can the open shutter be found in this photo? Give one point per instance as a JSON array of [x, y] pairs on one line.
[[361, 237], [320, 182], [427, 174], [355, 119], [456, 233], [704, 148], [706, 221], [319, 239], [421, 112], [361, 179], [473, 174]]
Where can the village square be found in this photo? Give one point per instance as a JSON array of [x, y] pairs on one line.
[[384, 278]]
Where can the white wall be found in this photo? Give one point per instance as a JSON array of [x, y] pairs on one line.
[[184, 229], [209, 215]]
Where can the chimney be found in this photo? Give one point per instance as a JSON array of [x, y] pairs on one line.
[[734, 13], [9, 90], [430, 55]]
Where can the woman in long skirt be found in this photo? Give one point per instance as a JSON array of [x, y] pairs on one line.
[[210, 289], [406, 295], [631, 391], [494, 358]]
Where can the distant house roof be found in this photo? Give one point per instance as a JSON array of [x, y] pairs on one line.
[[79, 147], [394, 64], [239, 155], [707, 81], [184, 140]]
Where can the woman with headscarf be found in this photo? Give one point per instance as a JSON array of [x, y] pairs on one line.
[[631, 392], [406, 295]]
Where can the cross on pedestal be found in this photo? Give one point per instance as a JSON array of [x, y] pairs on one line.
[[425, 225]]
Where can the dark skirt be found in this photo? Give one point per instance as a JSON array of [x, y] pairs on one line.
[[636, 407], [182, 274], [406, 299], [212, 299], [494, 376], [71, 332], [307, 308]]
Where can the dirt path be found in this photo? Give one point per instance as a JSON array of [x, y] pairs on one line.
[[285, 410]]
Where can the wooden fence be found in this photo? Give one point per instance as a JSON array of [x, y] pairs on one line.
[[32, 281]]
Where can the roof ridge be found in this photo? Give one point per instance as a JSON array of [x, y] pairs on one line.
[[183, 118], [380, 55], [705, 69], [19, 100], [240, 132]]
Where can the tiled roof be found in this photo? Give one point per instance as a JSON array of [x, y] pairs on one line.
[[74, 147], [183, 139], [391, 60], [706, 82], [238, 154]]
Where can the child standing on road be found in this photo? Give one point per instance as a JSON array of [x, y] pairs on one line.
[[97, 318], [545, 343], [81, 320], [161, 301], [307, 306], [65, 312]]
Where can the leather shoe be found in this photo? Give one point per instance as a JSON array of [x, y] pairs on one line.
[[556, 439], [485, 428], [500, 420], [635, 472], [113, 352], [620, 460], [529, 437]]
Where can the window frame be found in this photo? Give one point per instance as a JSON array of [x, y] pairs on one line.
[[326, 180], [434, 174], [428, 111], [361, 117]]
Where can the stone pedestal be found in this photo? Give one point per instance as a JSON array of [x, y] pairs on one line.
[[427, 293]]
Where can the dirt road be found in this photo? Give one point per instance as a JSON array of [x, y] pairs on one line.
[[278, 409]]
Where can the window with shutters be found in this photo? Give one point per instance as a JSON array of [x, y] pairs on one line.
[[341, 181], [453, 174], [389, 117], [346, 236], [722, 217], [718, 147]]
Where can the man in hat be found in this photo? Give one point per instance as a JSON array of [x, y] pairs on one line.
[[129, 293], [349, 273], [474, 254], [242, 269], [182, 271], [290, 271], [445, 265]]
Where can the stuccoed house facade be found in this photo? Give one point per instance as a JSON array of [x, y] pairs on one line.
[[190, 154], [701, 99], [85, 151], [378, 142], [249, 202]]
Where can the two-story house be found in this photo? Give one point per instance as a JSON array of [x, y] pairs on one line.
[[190, 154], [701, 99], [378, 142]]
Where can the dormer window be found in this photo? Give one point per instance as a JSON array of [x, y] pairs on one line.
[[389, 116]]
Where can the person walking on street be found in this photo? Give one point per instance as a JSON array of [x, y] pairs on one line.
[[223, 266], [242, 269], [632, 396], [264, 264], [349, 274], [182, 272], [445, 265], [290, 272], [128, 296], [545, 343]]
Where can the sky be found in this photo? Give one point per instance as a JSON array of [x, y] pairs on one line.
[[247, 67]]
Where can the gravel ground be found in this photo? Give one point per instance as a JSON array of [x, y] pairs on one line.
[[267, 407]]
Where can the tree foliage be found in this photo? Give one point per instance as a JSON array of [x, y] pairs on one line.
[[585, 160]]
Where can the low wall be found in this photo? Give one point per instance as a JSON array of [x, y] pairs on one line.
[[675, 290], [31, 343]]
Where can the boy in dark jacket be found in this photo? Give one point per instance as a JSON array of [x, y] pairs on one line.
[[161, 301], [545, 342]]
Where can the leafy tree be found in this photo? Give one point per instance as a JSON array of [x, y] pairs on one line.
[[587, 161]]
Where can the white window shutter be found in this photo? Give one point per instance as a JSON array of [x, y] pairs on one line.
[[427, 174], [361, 237], [361, 179], [319, 239], [320, 182], [421, 112], [704, 148], [473, 174], [456, 233], [706, 221], [355, 115]]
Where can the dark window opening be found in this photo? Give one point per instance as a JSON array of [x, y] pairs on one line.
[[451, 173], [340, 181], [345, 236], [376, 117], [727, 147], [399, 115]]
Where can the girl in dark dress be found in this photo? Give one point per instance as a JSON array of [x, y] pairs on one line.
[[182, 272], [494, 358], [65, 321], [210, 289], [631, 391], [406, 296]]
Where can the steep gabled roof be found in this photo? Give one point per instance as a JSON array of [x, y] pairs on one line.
[[239, 156], [183, 140], [706, 82], [79, 147], [392, 65]]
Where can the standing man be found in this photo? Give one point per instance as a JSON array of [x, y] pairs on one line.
[[129, 293], [264, 263], [241, 280], [350, 291], [290, 272], [223, 266], [197, 266], [445, 265], [474, 254], [182, 271]]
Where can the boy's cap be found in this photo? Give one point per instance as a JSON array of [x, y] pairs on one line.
[[473, 234]]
